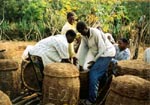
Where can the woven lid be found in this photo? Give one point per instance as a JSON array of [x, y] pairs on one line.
[[134, 64], [134, 67], [131, 87], [8, 65], [61, 70]]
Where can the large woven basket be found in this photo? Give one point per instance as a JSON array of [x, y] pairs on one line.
[[61, 84], [129, 90], [4, 99], [9, 77], [3, 54], [84, 84], [134, 67]]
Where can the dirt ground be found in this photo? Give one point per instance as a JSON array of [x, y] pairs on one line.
[[14, 49]]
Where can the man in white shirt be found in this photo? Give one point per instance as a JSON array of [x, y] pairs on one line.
[[54, 48], [95, 53]]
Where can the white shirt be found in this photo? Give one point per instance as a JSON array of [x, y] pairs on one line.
[[97, 45], [51, 49], [109, 36], [147, 55]]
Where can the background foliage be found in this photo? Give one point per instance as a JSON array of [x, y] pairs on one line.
[[36, 19]]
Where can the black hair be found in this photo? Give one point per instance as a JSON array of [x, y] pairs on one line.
[[71, 33], [124, 40], [69, 14], [81, 25]]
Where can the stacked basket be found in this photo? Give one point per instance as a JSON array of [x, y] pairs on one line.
[[132, 86]]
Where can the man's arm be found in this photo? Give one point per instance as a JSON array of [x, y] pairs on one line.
[[65, 61]]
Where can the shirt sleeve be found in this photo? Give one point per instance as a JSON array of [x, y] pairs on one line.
[[100, 40], [71, 50], [126, 56], [62, 50]]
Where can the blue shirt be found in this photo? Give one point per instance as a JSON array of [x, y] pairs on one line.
[[122, 55]]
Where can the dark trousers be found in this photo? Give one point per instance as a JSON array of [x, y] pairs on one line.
[[97, 72]]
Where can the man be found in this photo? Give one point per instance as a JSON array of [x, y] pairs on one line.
[[122, 53], [122, 50], [54, 48], [49, 50], [95, 53], [71, 24]]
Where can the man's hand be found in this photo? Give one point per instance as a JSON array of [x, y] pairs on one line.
[[65, 61], [75, 60], [91, 63]]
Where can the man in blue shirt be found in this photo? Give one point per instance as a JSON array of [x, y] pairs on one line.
[[122, 50]]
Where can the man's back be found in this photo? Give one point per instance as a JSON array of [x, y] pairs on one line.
[[51, 49]]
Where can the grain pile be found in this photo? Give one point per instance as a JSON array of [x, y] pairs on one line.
[[134, 67], [129, 90], [61, 84]]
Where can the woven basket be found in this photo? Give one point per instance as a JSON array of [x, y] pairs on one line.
[[61, 84], [84, 84], [4, 99], [3, 54], [9, 77], [28, 76], [134, 67], [129, 90]]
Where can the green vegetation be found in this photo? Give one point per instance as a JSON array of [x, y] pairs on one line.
[[36, 19]]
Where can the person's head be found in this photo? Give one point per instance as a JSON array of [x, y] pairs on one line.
[[82, 28], [71, 17], [70, 35], [123, 43]]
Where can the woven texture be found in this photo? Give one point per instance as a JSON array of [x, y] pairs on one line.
[[8, 64], [3, 55], [61, 70], [84, 84], [129, 90], [4, 99], [134, 67], [61, 84], [9, 77]]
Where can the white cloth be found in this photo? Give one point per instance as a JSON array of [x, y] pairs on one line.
[[109, 36], [97, 45], [147, 55], [25, 53], [51, 49]]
